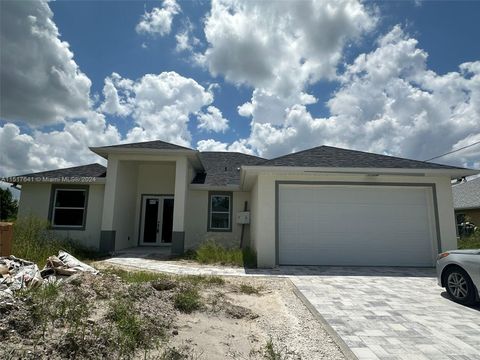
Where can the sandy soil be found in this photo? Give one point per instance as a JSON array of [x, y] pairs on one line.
[[229, 324], [282, 317]]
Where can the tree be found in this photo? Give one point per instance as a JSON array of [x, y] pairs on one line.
[[8, 205]]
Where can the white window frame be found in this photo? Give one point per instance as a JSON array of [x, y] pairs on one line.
[[54, 209], [211, 212]]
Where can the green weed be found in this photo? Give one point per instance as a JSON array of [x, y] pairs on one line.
[[212, 253], [249, 289], [470, 242], [34, 241], [188, 300]]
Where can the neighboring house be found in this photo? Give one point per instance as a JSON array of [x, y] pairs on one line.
[[466, 201], [321, 206]]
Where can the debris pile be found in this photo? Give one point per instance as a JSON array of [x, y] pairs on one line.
[[65, 265], [17, 274]]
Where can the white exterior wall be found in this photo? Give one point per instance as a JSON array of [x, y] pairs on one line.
[[153, 179], [35, 201], [254, 228], [124, 205], [197, 220], [263, 218]]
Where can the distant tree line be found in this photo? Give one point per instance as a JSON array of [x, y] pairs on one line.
[[8, 205]]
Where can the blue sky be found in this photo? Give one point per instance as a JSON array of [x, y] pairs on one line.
[[99, 32], [408, 96]]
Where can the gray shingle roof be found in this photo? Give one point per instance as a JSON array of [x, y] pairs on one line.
[[222, 168], [157, 144], [328, 156], [467, 195], [90, 170]]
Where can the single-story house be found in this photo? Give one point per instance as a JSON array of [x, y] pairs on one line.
[[321, 206], [466, 201]]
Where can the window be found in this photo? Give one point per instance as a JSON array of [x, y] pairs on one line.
[[68, 208], [220, 212]]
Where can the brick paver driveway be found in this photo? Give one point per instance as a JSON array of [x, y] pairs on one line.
[[392, 313]]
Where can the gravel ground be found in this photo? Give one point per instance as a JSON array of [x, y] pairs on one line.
[[288, 322]]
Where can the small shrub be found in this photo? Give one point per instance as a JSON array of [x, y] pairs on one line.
[[470, 242], [188, 301], [249, 258], [164, 284], [270, 352], [212, 253], [34, 241], [181, 353], [273, 352], [190, 254], [249, 289]]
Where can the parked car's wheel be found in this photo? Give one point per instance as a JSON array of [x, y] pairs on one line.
[[459, 285]]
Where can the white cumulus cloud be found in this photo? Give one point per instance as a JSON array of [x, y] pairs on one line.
[[214, 145], [212, 120], [43, 150], [160, 105], [40, 81], [281, 46], [388, 102], [159, 20]]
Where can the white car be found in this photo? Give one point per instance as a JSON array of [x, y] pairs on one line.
[[458, 271]]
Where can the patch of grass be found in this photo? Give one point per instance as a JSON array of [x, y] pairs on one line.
[[182, 353], [42, 305], [34, 241], [134, 276], [470, 242], [271, 352], [50, 308], [215, 280], [212, 253], [249, 289], [188, 300], [132, 331]]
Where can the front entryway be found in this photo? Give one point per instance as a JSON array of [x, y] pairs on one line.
[[156, 223]]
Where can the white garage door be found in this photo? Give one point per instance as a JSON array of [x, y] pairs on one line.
[[355, 225]]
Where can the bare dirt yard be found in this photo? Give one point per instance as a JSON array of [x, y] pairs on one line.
[[140, 315]]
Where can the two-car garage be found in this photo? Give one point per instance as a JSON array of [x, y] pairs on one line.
[[356, 224]]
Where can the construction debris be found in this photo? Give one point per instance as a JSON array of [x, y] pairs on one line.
[[65, 265], [17, 274]]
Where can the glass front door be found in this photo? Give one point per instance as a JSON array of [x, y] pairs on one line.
[[157, 220]]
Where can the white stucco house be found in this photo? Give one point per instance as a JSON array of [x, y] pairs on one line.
[[321, 206]]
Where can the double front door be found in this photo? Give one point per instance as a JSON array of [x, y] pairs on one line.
[[157, 220]]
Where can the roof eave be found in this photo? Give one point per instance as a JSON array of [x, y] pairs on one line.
[[452, 173], [228, 187], [105, 151], [474, 207], [191, 154]]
